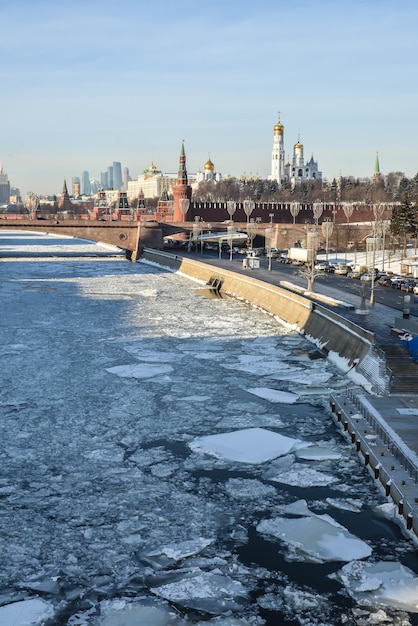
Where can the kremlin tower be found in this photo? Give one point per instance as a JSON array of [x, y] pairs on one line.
[[181, 189], [64, 203]]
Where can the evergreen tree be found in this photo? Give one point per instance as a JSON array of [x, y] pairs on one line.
[[404, 221]]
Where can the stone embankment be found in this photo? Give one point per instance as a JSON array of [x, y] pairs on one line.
[[374, 430], [378, 426], [330, 331]]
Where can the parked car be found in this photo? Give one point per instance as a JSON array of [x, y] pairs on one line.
[[341, 269], [354, 274], [384, 281], [408, 286], [322, 265], [397, 282], [366, 277]]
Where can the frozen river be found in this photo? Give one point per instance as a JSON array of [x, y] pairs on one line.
[[169, 459]]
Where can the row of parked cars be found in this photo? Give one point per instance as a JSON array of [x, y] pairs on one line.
[[399, 282], [384, 279]]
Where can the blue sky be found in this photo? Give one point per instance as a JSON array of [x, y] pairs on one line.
[[88, 82]]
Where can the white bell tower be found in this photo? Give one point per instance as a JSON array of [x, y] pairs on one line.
[[277, 155]]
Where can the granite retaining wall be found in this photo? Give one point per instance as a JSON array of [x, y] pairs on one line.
[[330, 331]]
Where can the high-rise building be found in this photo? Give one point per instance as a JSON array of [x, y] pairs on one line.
[[104, 180], [126, 178], [85, 184], [4, 187], [117, 175], [75, 186], [110, 177]]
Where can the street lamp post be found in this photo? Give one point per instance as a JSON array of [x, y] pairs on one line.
[[348, 208], [231, 207], [196, 232], [294, 210], [269, 237], [249, 206], [327, 228], [378, 211], [318, 209], [251, 230], [184, 204]]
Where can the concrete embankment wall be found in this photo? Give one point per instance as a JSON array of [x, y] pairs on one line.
[[332, 332]]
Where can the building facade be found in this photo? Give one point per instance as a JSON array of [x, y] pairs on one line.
[[292, 172], [209, 174], [4, 187], [151, 183]]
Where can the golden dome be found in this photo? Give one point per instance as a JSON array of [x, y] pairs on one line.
[[209, 165], [298, 146], [278, 128]]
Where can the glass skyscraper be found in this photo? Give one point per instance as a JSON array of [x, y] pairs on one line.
[[117, 175]]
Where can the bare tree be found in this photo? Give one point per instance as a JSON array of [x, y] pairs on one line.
[[309, 273]]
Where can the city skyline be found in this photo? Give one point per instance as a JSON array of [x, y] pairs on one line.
[[91, 83]]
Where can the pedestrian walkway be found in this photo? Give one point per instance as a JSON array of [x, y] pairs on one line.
[[385, 435]]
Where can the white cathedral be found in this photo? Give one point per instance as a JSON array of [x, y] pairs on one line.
[[294, 172]]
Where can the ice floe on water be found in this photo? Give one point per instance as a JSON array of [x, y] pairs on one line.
[[141, 370], [158, 488], [314, 538], [305, 477], [318, 453], [384, 583], [251, 445], [212, 592], [274, 395], [26, 613]]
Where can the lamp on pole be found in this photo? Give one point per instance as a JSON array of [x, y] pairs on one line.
[[249, 206], [196, 232], [318, 209], [348, 208], [231, 207], [251, 230], [294, 208], [184, 204], [327, 228], [269, 237]]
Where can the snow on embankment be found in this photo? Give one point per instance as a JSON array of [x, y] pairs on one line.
[[329, 331]]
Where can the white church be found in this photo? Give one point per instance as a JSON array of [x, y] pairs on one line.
[[296, 171]]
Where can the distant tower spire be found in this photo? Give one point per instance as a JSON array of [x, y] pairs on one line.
[[64, 203], [376, 172], [376, 165], [182, 188]]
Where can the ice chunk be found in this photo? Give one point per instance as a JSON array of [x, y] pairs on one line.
[[26, 612], [251, 488], [273, 395], [128, 613], [346, 504], [304, 477], [316, 538], [140, 370], [381, 584], [205, 591], [184, 549], [251, 445], [318, 453]]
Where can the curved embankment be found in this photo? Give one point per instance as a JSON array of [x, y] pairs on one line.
[[331, 332]]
